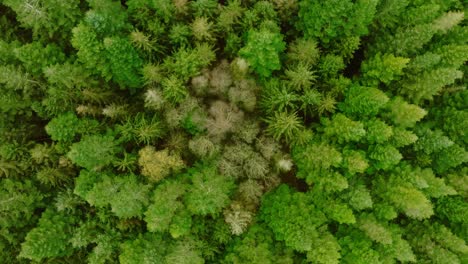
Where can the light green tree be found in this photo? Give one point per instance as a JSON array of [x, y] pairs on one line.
[[262, 51]]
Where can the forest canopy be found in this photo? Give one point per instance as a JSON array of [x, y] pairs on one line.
[[234, 132]]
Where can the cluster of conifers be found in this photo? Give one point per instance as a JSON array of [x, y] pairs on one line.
[[239, 131]]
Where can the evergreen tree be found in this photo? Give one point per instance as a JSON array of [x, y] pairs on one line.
[[282, 131], [262, 51]]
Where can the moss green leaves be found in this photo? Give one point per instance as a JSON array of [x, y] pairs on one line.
[[142, 250], [19, 200], [125, 64], [64, 127], [343, 129], [315, 158], [50, 238], [384, 68], [364, 101], [94, 152], [262, 51], [404, 114], [166, 203], [210, 191], [236, 132], [332, 20], [292, 218], [126, 196]]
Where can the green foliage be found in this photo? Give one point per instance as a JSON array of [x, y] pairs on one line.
[[444, 243], [315, 158], [357, 248], [359, 197], [284, 125], [364, 101], [292, 218], [141, 129], [409, 200], [239, 131], [378, 131], [402, 137], [262, 51], [277, 97], [343, 129], [450, 157], [50, 238], [86, 41], [65, 127], [430, 83], [326, 250], [304, 51], [431, 141], [173, 89], [332, 20], [125, 195], [19, 200], [406, 40], [35, 57], [125, 64], [383, 68], [374, 230], [300, 77], [105, 17], [355, 161], [258, 247], [94, 151], [455, 124], [340, 213], [331, 65], [210, 191], [38, 15], [453, 208], [384, 156], [187, 63], [166, 203], [85, 182], [404, 114], [143, 250]]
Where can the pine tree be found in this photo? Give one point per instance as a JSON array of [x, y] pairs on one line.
[[284, 125]]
